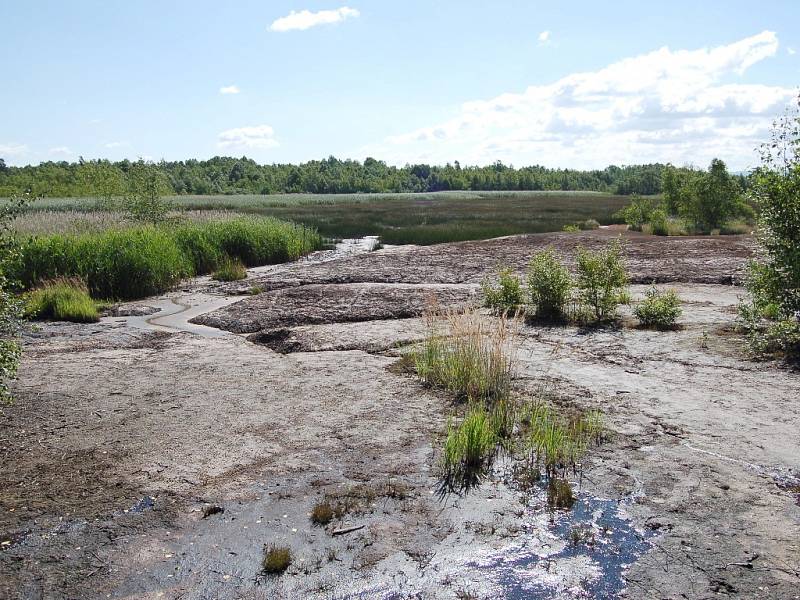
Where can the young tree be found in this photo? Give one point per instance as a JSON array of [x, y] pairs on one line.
[[145, 188], [773, 314], [10, 305], [671, 189], [710, 199]]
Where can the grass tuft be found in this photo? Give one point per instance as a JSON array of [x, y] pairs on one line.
[[322, 513], [230, 269], [276, 559], [473, 360], [62, 299]]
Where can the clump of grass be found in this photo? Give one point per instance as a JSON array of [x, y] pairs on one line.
[[276, 559], [473, 359], [231, 269], [550, 286], [555, 444], [504, 295], [322, 513], [255, 290], [62, 299], [570, 228], [659, 310], [469, 448]]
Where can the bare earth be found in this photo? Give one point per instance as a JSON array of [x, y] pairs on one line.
[[124, 431]]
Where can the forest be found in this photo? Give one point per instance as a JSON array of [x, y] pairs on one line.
[[228, 175]]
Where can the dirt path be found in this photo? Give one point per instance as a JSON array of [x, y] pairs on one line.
[[121, 436]]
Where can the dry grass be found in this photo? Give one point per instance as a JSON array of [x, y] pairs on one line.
[[467, 354]]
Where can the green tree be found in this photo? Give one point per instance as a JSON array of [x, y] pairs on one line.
[[671, 189], [710, 199], [773, 313], [101, 180], [10, 304], [145, 188]]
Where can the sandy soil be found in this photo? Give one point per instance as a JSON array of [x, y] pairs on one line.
[[122, 434]]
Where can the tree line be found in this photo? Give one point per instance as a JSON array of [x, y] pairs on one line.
[[228, 175]]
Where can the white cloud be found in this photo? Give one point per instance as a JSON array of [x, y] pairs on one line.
[[63, 150], [790, 51], [306, 19], [683, 106], [544, 38], [256, 136], [12, 149], [229, 89]]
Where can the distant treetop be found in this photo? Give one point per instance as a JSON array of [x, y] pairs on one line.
[[228, 175]]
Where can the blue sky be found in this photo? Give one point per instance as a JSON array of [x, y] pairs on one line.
[[571, 84]]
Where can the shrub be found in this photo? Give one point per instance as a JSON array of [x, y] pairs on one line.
[[571, 228], [63, 300], [589, 225], [658, 309], [602, 279], [11, 308], [276, 559], [709, 199], [505, 295], [772, 316], [659, 223], [637, 213], [473, 360], [231, 269], [550, 285]]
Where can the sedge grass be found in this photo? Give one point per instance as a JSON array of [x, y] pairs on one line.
[[62, 299], [140, 261]]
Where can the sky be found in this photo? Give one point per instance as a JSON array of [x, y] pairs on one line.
[[561, 84]]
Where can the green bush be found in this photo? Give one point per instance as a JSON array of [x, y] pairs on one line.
[[504, 295], [659, 310], [637, 213], [772, 315], [602, 280], [659, 222], [589, 225], [550, 286], [231, 269], [146, 260], [570, 228], [62, 300]]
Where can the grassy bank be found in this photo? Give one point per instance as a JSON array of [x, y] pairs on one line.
[[138, 261], [428, 218]]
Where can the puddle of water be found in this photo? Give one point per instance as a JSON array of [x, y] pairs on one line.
[[142, 505]]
